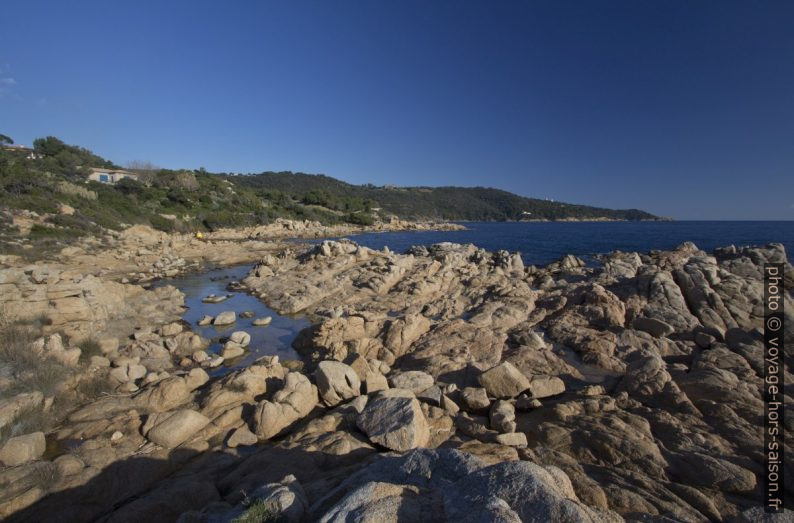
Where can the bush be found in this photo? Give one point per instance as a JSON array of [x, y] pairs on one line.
[[76, 222], [162, 224], [41, 232], [360, 218], [259, 512], [88, 348], [128, 186]]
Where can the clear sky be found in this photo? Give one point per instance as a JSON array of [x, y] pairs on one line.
[[682, 108]]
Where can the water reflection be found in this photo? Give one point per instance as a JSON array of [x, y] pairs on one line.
[[275, 338]]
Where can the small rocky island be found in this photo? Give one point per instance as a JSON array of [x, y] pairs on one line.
[[445, 383]]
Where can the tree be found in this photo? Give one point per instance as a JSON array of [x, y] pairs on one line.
[[5, 140], [49, 146]]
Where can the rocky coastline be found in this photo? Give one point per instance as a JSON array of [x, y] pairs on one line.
[[446, 383]]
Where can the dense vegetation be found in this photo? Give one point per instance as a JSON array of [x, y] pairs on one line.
[[56, 175], [446, 203], [54, 179]]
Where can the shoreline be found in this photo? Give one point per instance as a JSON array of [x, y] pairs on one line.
[[479, 355]]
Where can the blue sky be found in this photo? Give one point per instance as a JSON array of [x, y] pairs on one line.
[[681, 108]]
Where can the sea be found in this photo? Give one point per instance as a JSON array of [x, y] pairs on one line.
[[544, 242]]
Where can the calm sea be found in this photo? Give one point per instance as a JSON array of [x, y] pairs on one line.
[[543, 242]]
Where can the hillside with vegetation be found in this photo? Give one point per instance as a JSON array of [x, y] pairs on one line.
[[49, 184], [445, 203]]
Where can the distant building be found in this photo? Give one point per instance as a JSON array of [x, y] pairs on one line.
[[110, 176], [29, 153]]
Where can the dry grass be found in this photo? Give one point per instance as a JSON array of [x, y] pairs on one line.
[[93, 387], [26, 421], [44, 375], [15, 348], [89, 347], [27, 371], [45, 475]]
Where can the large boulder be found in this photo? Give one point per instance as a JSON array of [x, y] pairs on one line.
[[394, 422], [545, 386], [519, 491], [286, 498], [294, 401], [22, 449], [414, 380], [449, 485], [164, 395], [504, 381], [173, 429], [336, 382]]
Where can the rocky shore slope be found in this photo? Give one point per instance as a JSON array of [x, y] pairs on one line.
[[447, 383]]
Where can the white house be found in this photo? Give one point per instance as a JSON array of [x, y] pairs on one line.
[[110, 176]]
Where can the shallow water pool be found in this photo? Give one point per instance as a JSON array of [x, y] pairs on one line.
[[273, 339]]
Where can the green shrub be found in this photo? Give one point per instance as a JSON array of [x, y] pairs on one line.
[[39, 232], [75, 222], [162, 224], [259, 512], [360, 218]]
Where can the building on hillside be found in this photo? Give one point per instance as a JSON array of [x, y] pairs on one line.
[[110, 176], [29, 153]]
